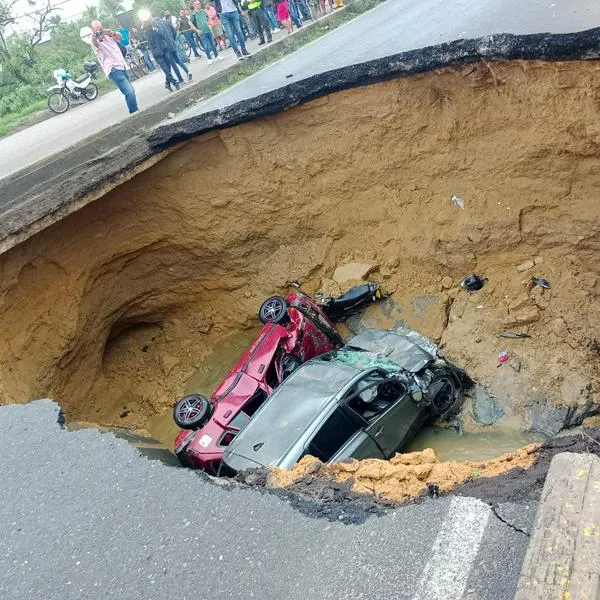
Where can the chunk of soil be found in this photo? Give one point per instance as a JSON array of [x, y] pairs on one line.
[[516, 477], [403, 477]]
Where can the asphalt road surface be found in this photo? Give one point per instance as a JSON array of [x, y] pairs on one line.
[[400, 25], [393, 27], [84, 516]]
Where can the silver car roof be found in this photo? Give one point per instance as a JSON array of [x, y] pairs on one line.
[[292, 408], [408, 349]]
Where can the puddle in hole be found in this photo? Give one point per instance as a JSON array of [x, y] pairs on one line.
[[480, 445], [204, 381]]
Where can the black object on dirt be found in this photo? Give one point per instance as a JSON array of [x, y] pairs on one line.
[[543, 283], [472, 283], [352, 301]]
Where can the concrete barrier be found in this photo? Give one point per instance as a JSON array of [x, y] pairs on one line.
[[563, 557]]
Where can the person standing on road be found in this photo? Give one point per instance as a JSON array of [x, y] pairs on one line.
[[171, 20], [187, 30], [215, 25], [295, 13], [257, 15], [110, 57], [140, 41], [199, 19], [229, 13], [283, 15], [160, 45], [169, 33], [269, 9]]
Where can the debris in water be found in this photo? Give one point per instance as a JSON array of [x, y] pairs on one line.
[[458, 201], [472, 283], [543, 283], [289, 75], [514, 334]]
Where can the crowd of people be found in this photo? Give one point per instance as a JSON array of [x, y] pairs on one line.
[[207, 27]]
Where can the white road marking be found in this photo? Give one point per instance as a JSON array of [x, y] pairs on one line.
[[454, 550]]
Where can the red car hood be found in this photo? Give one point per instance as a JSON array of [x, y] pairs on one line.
[[255, 362], [240, 387]]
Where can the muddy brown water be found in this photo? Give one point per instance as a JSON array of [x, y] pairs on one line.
[[204, 381], [488, 443]]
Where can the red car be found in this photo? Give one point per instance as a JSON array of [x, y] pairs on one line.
[[296, 329]]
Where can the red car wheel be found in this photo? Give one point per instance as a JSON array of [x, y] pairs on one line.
[[192, 412], [274, 310]]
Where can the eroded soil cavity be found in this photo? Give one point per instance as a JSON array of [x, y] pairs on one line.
[[113, 309]]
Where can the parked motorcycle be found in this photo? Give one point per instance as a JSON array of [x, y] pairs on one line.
[[67, 88]]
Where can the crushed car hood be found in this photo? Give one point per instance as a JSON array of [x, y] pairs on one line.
[[404, 347]]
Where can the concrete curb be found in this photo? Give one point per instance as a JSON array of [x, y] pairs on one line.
[[563, 556]]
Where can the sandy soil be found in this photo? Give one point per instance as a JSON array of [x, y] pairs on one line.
[[111, 310], [404, 476]]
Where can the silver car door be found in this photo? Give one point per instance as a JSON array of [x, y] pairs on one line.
[[394, 427], [361, 445]]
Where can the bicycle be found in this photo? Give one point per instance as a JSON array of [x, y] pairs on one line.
[[137, 69], [187, 49]]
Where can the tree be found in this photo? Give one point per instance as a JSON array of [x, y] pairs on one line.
[[27, 59], [109, 9], [90, 14], [37, 22]]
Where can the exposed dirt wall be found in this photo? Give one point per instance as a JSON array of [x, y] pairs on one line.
[[110, 310]]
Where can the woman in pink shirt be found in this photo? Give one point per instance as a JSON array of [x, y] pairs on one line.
[[215, 25]]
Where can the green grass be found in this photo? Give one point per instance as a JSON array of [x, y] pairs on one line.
[[474, 474], [13, 120], [9, 123]]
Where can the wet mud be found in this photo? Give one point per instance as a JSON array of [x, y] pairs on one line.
[[525, 485]]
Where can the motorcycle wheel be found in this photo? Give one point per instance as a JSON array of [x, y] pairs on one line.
[[90, 92], [58, 102]]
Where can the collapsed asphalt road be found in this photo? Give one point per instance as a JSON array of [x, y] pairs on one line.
[[84, 516]]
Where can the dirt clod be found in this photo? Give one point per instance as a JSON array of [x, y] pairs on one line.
[[352, 272], [403, 477], [525, 266]]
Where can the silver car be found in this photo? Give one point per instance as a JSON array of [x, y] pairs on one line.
[[366, 400]]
